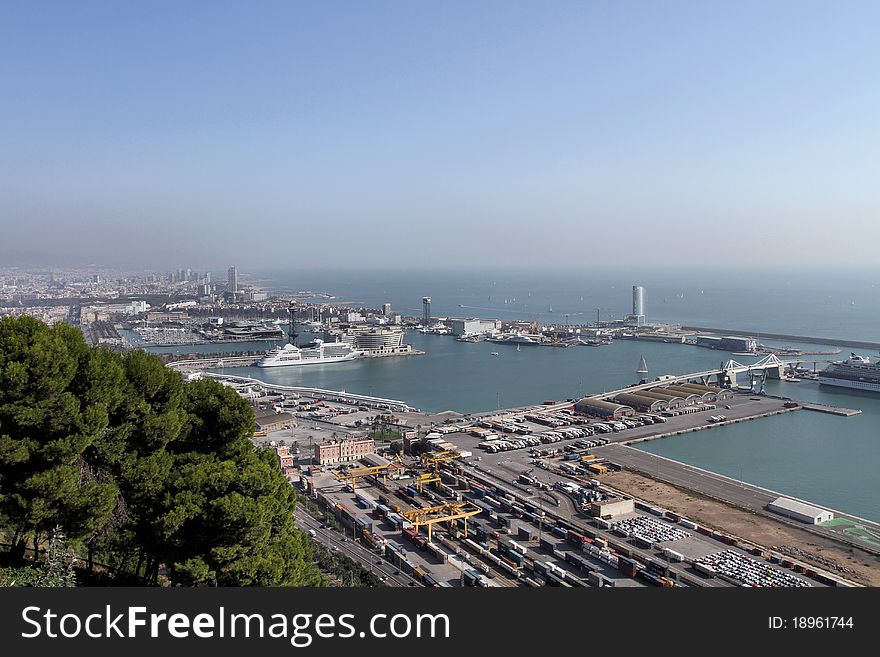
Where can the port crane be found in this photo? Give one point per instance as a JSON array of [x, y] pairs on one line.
[[358, 473], [431, 462], [447, 512]]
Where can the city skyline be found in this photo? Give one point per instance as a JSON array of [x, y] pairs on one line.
[[439, 136]]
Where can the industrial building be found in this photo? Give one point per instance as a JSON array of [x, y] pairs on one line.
[[374, 460], [801, 511], [671, 399], [268, 420], [735, 343], [612, 507], [605, 409], [471, 326], [707, 393], [689, 396], [641, 402], [329, 452], [727, 343]]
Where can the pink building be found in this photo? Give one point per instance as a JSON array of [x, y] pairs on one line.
[[329, 452]]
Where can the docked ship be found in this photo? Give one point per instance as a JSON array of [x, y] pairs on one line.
[[855, 372], [316, 353], [518, 339]]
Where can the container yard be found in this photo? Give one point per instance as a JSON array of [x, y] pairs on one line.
[[470, 527]]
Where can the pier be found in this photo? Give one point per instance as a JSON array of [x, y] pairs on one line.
[[738, 493], [856, 344], [319, 393], [833, 410]]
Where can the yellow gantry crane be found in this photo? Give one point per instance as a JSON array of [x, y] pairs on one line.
[[427, 478], [448, 512], [357, 473], [436, 458], [431, 462]]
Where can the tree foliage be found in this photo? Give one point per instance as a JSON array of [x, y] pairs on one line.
[[154, 476]]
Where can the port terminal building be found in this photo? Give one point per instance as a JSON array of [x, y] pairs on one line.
[[471, 326], [727, 343], [599, 408], [671, 397], [801, 511], [330, 452]]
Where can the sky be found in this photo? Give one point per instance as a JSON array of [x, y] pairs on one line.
[[441, 134]]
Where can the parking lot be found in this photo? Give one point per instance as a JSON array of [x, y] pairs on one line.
[[748, 571], [651, 530]]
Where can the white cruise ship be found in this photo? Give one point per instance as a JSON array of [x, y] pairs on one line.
[[856, 372], [317, 353]]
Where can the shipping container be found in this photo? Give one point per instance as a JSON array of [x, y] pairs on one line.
[[672, 555], [706, 570]]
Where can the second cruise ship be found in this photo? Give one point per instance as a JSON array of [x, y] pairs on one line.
[[855, 372]]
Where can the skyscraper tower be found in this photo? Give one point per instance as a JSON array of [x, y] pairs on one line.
[[639, 304], [232, 280], [426, 310]]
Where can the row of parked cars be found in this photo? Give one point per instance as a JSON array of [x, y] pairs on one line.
[[511, 444], [746, 570], [649, 529]]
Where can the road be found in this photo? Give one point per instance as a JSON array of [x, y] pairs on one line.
[[363, 555]]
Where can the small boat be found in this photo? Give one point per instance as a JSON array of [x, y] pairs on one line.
[[494, 353]]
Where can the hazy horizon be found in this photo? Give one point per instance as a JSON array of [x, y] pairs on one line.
[[276, 135]]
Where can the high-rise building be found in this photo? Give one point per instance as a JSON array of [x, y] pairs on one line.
[[426, 310], [386, 310], [639, 304], [232, 280]]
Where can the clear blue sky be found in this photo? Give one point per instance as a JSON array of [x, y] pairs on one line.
[[359, 133]]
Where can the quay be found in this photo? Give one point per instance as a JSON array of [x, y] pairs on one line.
[[858, 344], [251, 361], [853, 530], [318, 393], [834, 410]]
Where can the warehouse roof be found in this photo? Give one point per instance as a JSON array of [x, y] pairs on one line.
[[598, 403], [636, 399], [797, 507], [700, 388], [659, 393]]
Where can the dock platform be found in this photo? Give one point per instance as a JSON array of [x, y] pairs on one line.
[[834, 410]]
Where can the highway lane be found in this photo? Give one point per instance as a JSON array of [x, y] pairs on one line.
[[363, 555]]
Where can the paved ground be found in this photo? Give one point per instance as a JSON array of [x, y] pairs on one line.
[[724, 488]]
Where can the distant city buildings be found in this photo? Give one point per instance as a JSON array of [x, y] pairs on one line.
[[232, 280]]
